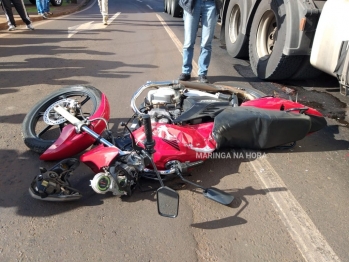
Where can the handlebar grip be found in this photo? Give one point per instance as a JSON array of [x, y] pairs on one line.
[[149, 142], [147, 128]]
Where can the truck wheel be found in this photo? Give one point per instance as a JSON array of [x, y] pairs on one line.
[[267, 40], [175, 8], [236, 42], [56, 2]]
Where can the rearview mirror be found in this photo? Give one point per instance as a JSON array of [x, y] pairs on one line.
[[168, 202], [218, 196]]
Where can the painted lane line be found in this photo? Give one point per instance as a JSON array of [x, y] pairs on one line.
[[72, 30], [306, 236], [150, 7], [177, 43]]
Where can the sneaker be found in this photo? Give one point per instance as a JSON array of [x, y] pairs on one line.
[[30, 26], [105, 20], [43, 16], [203, 79], [48, 13], [184, 77], [11, 28]]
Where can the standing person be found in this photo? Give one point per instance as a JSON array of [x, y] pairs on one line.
[[103, 7], [20, 8], [41, 5], [193, 10]]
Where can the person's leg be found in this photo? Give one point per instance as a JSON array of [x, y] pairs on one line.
[[103, 7], [7, 7], [46, 6], [191, 24], [22, 11], [40, 6], [208, 20]]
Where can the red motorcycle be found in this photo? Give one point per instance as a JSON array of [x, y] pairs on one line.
[[176, 127]]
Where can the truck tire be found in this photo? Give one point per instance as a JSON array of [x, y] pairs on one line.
[[267, 40], [175, 8], [56, 2], [236, 42]]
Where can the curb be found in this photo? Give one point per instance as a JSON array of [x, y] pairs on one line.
[[34, 18]]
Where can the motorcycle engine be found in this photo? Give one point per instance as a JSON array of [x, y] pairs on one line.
[[185, 106], [120, 180]]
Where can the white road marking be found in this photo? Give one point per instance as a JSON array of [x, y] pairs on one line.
[[72, 30], [307, 237], [150, 7], [178, 43]]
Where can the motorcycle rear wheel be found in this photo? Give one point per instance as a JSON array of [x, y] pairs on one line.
[[38, 135]]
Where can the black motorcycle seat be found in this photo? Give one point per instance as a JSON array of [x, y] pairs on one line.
[[255, 128]]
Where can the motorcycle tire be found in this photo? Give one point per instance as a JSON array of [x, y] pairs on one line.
[[39, 136]]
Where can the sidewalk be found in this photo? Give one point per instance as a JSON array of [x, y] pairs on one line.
[[64, 9]]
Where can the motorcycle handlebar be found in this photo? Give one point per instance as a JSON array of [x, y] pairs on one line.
[[147, 128], [148, 85], [149, 142], [192, 85], [80, 125]]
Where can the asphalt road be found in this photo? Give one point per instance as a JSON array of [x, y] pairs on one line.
[[294, 202]]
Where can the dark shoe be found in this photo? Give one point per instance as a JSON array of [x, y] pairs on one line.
[[184, 77], [203, 79]]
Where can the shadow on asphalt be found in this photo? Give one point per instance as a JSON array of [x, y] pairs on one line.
[[236, 220]]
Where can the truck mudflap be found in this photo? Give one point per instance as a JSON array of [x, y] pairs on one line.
[[342, 68]]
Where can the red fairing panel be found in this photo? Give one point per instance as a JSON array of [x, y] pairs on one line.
[[70, 143], [99, 157], [277, 103], [182, 143]]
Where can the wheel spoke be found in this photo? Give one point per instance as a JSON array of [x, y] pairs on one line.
[[85, 100], [45, 130]]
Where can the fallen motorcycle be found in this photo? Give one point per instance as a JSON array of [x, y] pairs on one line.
[[176, 127]]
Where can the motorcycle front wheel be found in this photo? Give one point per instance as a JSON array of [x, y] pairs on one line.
[[38, 135]]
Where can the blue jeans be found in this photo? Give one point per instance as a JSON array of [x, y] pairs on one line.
[[209, 17], [42, 6], [47, 7]]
